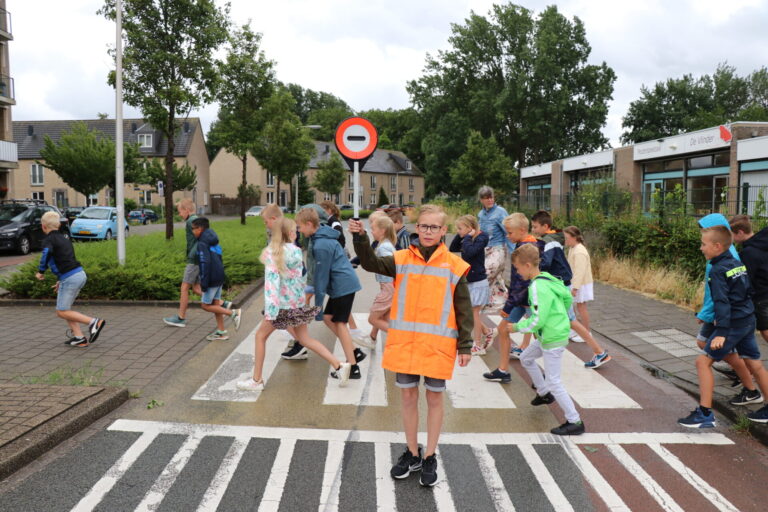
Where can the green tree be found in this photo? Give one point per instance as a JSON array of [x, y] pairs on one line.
[[328, 119], [169, 68], [383, 199], [308, 101], [85, 159], [519, 78], [306, 193], [247, 81], [153, 170], [483, 163], [331, 175], [399, 130]]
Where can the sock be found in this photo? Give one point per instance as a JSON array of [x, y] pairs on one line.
[[92, 322], [705, 410]]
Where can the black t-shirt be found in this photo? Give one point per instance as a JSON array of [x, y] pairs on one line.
[[58, 254]]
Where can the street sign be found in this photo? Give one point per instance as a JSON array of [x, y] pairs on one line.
[[356, 139], [160, 188]]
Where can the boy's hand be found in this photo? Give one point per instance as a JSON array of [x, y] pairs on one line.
[[356, 226], [39, 276], [717, 342], [464, 359], [56, 287]]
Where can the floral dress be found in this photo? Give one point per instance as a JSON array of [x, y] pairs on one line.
[[284, 303]]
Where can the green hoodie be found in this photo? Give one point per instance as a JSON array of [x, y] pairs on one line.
[[549, 299]]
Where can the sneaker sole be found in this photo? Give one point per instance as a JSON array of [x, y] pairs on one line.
[[567, 433], [421, 483], [599, 364], [498, 379], [364, 344], [747, 402], [406, 475], [298, 357], [172, 324], [698, 425], [761, 420]]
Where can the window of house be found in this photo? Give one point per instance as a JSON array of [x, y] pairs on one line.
[[407, 165], [38, 195], [326, 197], [410, 184], [373, 198], [337, 198], [36, 171], [722, 159], [270, 197], [351, 181], [698, 162], [393, 182], [145, 140], [145, 196], [270, 179], [373, 181], [410, 198], [350, 197], [283, 198], [93, 199]]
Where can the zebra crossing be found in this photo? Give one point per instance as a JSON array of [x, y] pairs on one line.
[[466, 390], [181, 466]]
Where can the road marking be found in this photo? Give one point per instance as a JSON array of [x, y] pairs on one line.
[[441, 491], [329, 495], [547, 482], [468, 389], [601, 486], [273, 493], [386, 499], [372, 388], [115, 473], [709, 492], [222, 386], [492, 478], [656, 491], [215, 492]]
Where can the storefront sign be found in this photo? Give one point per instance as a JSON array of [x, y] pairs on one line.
[[702, 140]]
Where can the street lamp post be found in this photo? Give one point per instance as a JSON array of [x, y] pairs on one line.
[[119, 178]]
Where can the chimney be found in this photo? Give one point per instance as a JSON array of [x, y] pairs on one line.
[[133, 127], [186, 126], [30, 130]]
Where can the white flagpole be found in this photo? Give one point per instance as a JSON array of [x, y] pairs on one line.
[[119, 178]]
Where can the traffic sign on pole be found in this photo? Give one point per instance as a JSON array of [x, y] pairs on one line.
[[356, 139]]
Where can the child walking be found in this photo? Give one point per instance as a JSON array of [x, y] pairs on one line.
[[471, 242], [212, 278], [191, 277], [383, 231], [424, 335], [284, 304], [549, 300], [582, 287], [59, 255]]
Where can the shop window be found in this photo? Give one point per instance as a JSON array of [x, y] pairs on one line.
[[699, 162], [722, 159], [673, 165], [707, 193], [653, 167]]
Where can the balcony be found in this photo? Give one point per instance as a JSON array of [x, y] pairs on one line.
[[6, 32], [9, 157], [7, 92]]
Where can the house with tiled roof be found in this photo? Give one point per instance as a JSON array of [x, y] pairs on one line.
[[35, 181]]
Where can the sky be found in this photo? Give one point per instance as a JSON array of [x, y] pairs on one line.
[[366, 52]]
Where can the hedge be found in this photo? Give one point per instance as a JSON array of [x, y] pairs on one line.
[[153, 267], [347, 214]]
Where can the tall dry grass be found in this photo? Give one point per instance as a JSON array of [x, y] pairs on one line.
[[665, 284]]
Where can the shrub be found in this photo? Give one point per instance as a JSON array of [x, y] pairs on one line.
[[154, 266], [348, 214]]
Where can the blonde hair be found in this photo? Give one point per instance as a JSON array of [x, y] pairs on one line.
[[272, 211], [471, 222], [517, 220], [374, 214], [330, 206], [385, 223], [527, 253], [428, 209], [308, 215], [281, 235], [187, 204], [719, 235], [51, 220]]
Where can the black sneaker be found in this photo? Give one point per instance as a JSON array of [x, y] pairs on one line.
[[359, 355], [543, 400], [498, 376], [429, 471], [406, 464], [569, 429], [94, 329], [746, 397], [355, 373], [297, 351], [76, 341]]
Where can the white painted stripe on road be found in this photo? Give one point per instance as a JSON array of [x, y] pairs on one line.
[[492, 479], [657, 492], [164, 482], [442, 492], [386, 500], [603, 489], [222, 386], [373, 436], [548, 485], [709, 492], [115, 473], [217, 488], [371, 389], [329, 494], [468, 389], [278, 475]]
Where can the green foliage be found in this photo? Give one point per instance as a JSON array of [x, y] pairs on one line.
[[328, 119], [67, 376], [250, 194], [129, 204], [348, 214], [330, 175], [184, 177], [153, 265], [483, 163], [383, 199], [400, 130], [307, 101], [306, 193]]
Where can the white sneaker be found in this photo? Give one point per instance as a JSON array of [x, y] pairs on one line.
[[250, 385], [236, 315], [362, 339], [342, 374], [577, 339]]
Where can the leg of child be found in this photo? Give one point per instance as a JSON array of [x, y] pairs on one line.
[[505, 343], [587, 336], [478, 328], [184, 299], [410, 413], [302, 334], [341, 331], [260, 339], [528, 360], [757, 369], [379, 321], [583, 313], [552, 363], [435, 412], [74, 319], [217, 309], [706, 379], [739, 366]]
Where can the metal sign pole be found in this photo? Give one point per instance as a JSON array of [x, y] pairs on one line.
[[356, 183], [119, 186]]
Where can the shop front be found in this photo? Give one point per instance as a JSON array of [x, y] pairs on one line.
[[537, 181], [752, 155]]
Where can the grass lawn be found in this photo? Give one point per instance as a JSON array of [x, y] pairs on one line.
[[154, 266]]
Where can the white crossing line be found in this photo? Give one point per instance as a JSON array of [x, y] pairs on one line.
[[698, 483], [468, 389], [115, 473], [385, 486], [657, 492], [222, 386], [218, 487], [273, 493], [442, 492], [329, 495], [371, 390], [603, 489], [492, 478], [547, 482]]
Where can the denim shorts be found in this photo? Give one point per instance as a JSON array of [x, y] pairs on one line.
[[740, 337], [407, 380], [211, 294], [517, 313], [705, 331], [68, 290]]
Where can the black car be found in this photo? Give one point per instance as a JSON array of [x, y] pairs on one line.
[[72, 212], [20, 226], [143, 216]]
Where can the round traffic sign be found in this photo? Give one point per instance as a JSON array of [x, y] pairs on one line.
[[356, 138]]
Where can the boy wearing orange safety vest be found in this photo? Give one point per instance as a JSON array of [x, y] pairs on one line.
[[430, 323]]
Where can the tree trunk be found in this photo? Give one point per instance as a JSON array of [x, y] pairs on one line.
[[243, 195], [168, 187]]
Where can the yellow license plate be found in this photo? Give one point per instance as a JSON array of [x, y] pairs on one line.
[[85, 232]]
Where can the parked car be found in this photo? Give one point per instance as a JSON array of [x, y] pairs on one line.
[[391, 208], [344, 207], [254, 211], [96, 223], [143, 216], [72, 212], [20, 226]]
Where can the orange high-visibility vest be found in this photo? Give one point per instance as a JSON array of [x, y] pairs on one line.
[[423, 332]]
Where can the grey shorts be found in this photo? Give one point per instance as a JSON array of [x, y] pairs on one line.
[[407, 380], [191, 274]]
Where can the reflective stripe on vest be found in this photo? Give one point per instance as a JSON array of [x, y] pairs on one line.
[[421, 328]]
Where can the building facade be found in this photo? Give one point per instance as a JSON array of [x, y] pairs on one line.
[[8, 150], [32, 180]]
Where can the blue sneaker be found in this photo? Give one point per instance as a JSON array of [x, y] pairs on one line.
[[697, 419], [498, 376], [598, 361], [515, 352], [175, 321], [760, 415]]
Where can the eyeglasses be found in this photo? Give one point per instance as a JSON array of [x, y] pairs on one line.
[[428, 228]]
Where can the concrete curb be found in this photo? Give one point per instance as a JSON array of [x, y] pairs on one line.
[[28, 447]]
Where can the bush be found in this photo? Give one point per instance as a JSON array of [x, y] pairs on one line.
[[154, 266], [348, 214]]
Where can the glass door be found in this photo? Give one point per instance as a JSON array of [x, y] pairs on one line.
[[649, 188]]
